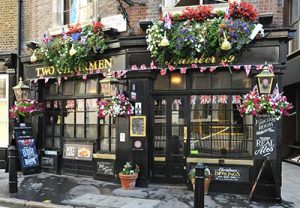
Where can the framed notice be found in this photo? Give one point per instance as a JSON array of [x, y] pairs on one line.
[[78, 151], [138, 126]]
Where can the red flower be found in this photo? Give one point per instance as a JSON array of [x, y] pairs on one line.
[[244, 10], [74, 29], [98, 26], [200, 14]]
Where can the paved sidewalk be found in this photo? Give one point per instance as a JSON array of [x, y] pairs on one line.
[[47, 190]]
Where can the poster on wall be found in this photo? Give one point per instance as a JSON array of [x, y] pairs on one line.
[[265, 137], [231, 173], [138, 126], [78, 151]]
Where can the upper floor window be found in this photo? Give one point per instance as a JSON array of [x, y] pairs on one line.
[[294, 16], [72, 11], [176, 6]]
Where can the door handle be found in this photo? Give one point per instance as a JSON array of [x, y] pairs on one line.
[[185, 134]]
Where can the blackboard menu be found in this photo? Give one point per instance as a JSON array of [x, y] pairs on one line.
[[265, 137], [26, 148], [230, 173], [105, 167], [28, 154]]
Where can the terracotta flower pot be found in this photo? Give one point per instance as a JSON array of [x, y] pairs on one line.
[[206, 184], [128, 181]]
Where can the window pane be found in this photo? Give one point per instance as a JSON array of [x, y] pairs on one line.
[[91, 104], [104, 131], [91, 86], [104, 144], [221, 80], [80, 118], [91, 132], [161, 82], [79, 87], [294, 9], [57, 142], [214, 1], [240, 80], [49, 142], [56, 130], [69, 118], [178, 81], [68, 88], [68, 131], [48, 130], [2, 88], [85, 10], [91, 118], [201, 81], [80, 105], [79, 131]]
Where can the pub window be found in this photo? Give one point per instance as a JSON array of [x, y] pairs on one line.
[[107, 135], [216, 127], [160, 123], [171, 81], [294, 11], [78, 11]]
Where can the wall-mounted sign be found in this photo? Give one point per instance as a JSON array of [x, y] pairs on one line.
[[115, 21], [138, 126], [234, 173], [93, 66], [202, 60], [138, 108], [78, 151], [105, 167], [265, 137], [122, 137]]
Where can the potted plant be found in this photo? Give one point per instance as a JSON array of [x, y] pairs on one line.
[[128, 176], [207, 178]]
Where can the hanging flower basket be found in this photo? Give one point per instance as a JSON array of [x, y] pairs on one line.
[[275, 105], [115, 106], [26, 108], [73, 49], [212, 37]]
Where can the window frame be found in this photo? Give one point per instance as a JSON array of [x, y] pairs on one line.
[[294, 45]]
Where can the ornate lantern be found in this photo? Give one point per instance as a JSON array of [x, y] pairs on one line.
[[21, 90], [109, 85], [265, 80]]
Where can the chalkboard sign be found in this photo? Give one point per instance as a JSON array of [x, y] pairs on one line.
[[265, 137], [27, 151], [105, 167], [47, 162], [232, 173]]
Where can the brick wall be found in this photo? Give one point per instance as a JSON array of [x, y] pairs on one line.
[[8, 25], [37, 16]]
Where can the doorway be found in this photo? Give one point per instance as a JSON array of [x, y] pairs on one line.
[[169, 139]]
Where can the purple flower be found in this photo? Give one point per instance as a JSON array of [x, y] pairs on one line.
[[83, 39], [168, 22], [75, 36]]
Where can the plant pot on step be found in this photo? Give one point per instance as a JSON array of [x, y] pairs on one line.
[[128, 181]]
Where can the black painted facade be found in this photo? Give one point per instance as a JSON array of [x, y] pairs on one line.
[[164, 162]]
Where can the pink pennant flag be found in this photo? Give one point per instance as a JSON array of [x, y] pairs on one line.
[[98, 71], [183, 70], [171, 68], [259, 67], [205, 99], [214, 99], [152, 65], [224, 64], [193, 100], [91, 71], [270, 66], [255, 88], [222, 99], [46, 80], [35, 80], [247, 69], [134, 67], [58, 81], [163, 72], [65, 77], [193, 66], [77, 73], [236, 67], [202, 69], [212, 68], [84, 76], [143, 67]]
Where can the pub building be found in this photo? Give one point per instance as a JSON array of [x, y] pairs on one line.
[[190, 117]]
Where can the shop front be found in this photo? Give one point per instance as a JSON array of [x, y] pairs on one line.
[[183, 117]]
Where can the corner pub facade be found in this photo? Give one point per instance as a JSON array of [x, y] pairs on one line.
[[180, 130]]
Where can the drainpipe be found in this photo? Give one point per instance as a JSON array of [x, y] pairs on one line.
[[19, 72]]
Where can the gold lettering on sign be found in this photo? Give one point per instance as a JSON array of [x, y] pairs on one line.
[[202, 60], [92, 66]]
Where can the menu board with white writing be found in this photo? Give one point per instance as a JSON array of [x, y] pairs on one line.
[[265, 137], [78, 151]]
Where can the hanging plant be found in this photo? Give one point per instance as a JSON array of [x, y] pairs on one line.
[[115, 106], [26, 108], [275, 105], [73, 49], [200, 33]]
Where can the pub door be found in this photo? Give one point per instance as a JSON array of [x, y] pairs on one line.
[[169, 139]]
